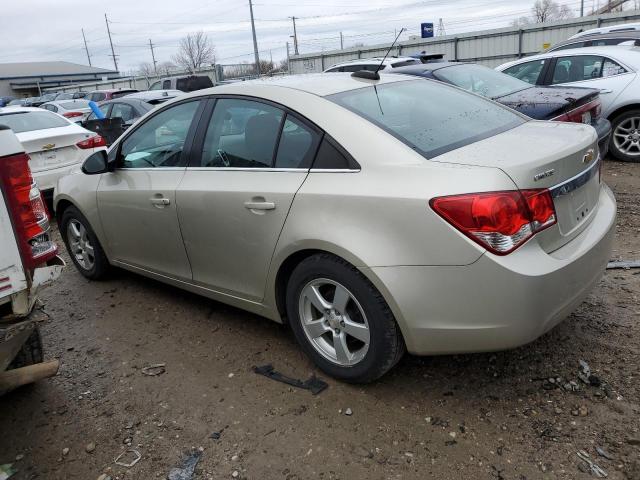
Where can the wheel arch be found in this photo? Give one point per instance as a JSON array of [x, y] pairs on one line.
[[624, 109]]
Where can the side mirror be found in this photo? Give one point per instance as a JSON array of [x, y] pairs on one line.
[[96, 163]]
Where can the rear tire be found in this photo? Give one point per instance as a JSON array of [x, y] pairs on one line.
[[353, 335], [83, 246], [625, 137]]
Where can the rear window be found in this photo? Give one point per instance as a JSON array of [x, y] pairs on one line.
[[404, 63], [122, 93], [29, 121], [190, 84], [428, 116]]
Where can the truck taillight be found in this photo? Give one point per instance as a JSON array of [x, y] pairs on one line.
[[498, 221], [28, 212], [72, 114]]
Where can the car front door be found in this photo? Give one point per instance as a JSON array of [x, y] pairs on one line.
[[252, 157], [137, 203], [593, 71]]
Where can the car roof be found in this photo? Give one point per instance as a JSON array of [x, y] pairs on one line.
[[626, 53], [619, 28], [155, 94], [18, 108], [366, 61], [320, 84], [630, 35], [112, 90]]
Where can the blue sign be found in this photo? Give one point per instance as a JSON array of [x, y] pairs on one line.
[[427, 30]]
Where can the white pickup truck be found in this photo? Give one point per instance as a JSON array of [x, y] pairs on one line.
[[28, 260]]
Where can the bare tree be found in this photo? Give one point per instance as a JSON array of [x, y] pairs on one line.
[[145, 69], [196, 51], [544, 11]]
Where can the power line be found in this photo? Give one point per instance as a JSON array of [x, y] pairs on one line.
[[86, 48]]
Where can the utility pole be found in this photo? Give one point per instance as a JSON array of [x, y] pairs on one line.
[[113, 53], [295, 36], [153, 57], [441, 30], [341, 41], [288, 61], [582, 8], [255, 42], [86, 48]]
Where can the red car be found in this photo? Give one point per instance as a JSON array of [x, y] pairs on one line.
[[101, 95]]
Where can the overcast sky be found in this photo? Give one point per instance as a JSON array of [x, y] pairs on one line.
[[41, 30]]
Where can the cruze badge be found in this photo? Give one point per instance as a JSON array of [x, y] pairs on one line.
[[48, 146], [588, 156], [545, 174]]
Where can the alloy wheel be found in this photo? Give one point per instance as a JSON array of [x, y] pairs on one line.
[[80, 245], [334, 322], [626, 136]]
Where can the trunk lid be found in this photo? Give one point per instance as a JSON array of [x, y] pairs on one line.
[[53, 147], [545, 103], [562, 157]]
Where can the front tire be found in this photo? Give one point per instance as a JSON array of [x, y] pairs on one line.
[[83, 245], [341, 321], [625, 137]]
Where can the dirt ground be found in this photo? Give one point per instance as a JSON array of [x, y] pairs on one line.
[[508, 415]]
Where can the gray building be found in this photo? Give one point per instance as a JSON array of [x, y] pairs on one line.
[[29, 79]]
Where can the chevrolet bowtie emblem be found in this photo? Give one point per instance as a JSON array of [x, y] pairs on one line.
[[48, 146]]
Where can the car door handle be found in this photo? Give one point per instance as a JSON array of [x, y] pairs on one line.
[[260, 205], [606, 90], [159, 202]]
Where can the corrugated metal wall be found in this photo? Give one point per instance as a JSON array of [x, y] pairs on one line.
[[491, 48]]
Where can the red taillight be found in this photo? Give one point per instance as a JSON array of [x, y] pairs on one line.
[[72, 114], [28, 212], [92, 142], [499, 221], [589, 111]]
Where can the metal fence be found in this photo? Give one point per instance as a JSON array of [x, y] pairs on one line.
[[491, 47]]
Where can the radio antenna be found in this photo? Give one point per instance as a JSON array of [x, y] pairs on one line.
[[369, 75]]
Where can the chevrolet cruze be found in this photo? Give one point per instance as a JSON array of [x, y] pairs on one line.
[[373, 216]]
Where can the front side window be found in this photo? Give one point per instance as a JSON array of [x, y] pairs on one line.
[[29, 121], [159, 141], [577, 69], [156, 86], [123, 111], [431, 117], [103, 108], [480, 80], [527, 72], [241, 134]]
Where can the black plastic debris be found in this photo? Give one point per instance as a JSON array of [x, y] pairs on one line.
[[186, 470], [218, 434], [313, 384]]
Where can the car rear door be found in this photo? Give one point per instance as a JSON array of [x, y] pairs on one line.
[[248, 162], [593, 71], [137, 203]]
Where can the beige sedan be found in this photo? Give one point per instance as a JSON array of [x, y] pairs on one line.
[[373, 216]]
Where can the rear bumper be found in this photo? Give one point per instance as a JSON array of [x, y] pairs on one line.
[[603, 128], [497, 303], [47, 179]]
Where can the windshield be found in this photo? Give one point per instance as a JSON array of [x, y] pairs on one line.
[[75, 104], [28, 121], [481, 80], [429, 116]]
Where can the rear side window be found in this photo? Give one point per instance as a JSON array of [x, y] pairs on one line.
[[577, 69], [329, 157], [430, 117], [298, 145], [29, 121], [527, 72], [611, 68], [241, 134]]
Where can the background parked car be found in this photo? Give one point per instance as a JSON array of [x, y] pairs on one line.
[[5, 100], [566, 104], [55, 145], [599, 40], [47, 97], [101, 95], [75, 110], [17, 101], [186, 83], [372, 64], [612, 70], [624, 27]]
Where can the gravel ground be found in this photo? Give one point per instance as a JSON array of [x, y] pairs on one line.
[[508, 415]]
